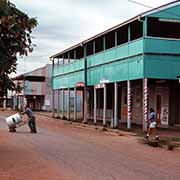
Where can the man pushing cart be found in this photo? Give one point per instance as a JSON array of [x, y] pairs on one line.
[[16, 120]]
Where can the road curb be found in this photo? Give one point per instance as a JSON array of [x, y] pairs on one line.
[[106, 130]]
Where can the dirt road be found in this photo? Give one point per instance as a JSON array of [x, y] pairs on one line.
[[62, 152]]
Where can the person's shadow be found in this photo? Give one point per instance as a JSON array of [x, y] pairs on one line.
[[22, 132]]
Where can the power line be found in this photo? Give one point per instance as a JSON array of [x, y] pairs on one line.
[[141, 4], [144, 5], [22, 57]]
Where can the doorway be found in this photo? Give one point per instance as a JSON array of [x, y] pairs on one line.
[[162, 104]]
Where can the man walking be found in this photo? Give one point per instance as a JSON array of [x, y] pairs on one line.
[[31, 119]]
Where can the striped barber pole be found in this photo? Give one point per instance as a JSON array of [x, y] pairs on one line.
[[145, 103], [129, 103]]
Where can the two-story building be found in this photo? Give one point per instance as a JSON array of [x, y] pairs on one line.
[[36, 89], [124, 70]]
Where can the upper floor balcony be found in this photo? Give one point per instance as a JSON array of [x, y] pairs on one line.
[[147, 45], [152, 33]]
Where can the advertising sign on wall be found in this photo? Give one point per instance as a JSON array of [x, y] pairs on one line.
[[164, 115]]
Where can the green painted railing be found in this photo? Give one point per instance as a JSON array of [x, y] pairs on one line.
[[69, 68], [161, 45], [117, 53], [68, 80]]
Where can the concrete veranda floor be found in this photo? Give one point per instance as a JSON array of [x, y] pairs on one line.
[[172, 132]]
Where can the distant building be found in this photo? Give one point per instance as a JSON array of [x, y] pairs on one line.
[[36, 89]]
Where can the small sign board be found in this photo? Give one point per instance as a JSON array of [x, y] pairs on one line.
[[80, 84], [101, 85], [104, 80]]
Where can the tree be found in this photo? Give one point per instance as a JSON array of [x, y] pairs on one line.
[[15, 39]]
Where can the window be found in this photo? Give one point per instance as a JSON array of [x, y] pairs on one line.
[[163, 28], [136, 30], [110, 40], [99, 44], [122, 35]]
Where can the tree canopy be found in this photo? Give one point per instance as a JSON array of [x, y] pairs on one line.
[[15, 39]]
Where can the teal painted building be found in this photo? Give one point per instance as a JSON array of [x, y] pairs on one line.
[[125, 70]]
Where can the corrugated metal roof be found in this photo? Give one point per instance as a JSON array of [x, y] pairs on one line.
[[23, 76]]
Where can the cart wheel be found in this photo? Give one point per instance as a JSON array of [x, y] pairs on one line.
[[12, 129]]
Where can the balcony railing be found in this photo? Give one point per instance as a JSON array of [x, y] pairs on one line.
[[116, 53]]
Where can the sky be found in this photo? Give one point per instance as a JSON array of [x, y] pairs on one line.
[[64, 23]]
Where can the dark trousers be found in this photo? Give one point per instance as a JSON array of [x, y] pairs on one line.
[[32, 124]]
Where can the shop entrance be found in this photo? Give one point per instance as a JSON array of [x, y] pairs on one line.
[[162, 105]]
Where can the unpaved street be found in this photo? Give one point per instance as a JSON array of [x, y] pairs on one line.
[[61, 152]]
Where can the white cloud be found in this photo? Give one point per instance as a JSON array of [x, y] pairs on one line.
[[63, 23]]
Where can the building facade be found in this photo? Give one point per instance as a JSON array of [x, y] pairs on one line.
[[36, 89], [123, 71]]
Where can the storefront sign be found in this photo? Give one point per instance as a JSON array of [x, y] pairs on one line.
[[80, 84], [104, 80], [62, 87], [101, 85]]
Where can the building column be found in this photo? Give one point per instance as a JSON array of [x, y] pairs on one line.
[[63, 59], [5, 102], [75, 54], [53, 112], [85, 85], [58, 109], [95, 105], [68, 57], [98, 103], [94, 47], [19, 102], [129, 104], [115, 124], [145, 104], [115, 39], [75, 104], [145, 27], [14, 103], [104, 108], [68, 104], [85, 105], [62, 102], [104, 43], [129, 33], [53, 101], [24, 94]]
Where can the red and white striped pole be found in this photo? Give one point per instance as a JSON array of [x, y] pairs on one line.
[[145, 103], [129, 104]]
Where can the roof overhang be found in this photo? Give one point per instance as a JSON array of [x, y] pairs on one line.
[[94, 37], [18, 78], [23, 77]]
